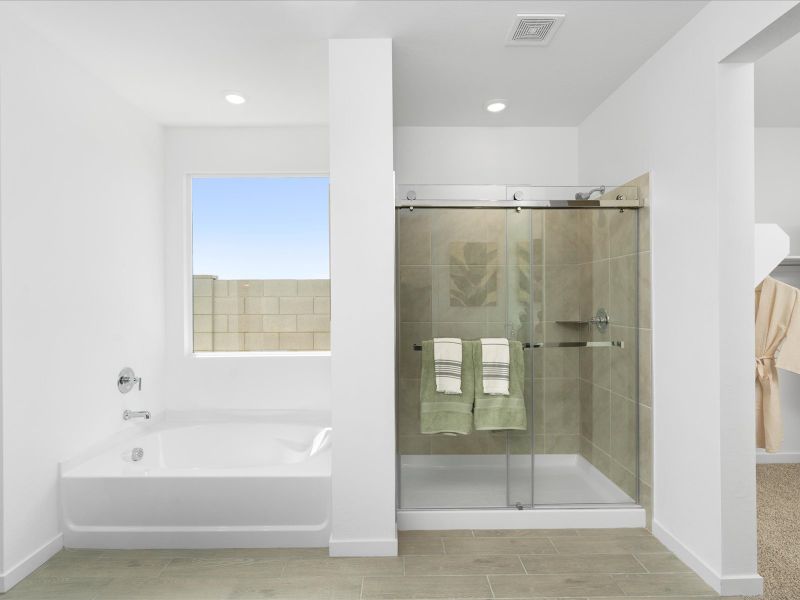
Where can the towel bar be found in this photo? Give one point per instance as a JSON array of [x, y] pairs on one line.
[[525, 345]]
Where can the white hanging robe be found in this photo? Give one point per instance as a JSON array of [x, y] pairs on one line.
[[777, 346]]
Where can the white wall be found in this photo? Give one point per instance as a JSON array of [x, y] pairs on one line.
[[82, 266], [242, 381], [778, 201], [777, 184], [535, 155], [689, 121], [362, 298]]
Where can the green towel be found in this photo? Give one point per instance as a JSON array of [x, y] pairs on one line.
[[501, 412], [446, 413]]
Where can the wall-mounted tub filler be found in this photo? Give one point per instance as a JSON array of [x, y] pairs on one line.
[[127, 415], [127, 379]]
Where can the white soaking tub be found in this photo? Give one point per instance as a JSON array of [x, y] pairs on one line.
[[205, 480]]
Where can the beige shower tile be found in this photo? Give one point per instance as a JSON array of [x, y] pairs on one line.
[[601, 418], [452, 228], [624, 235], [623, 431], [594, 232], [623, 361], [314, 287], [646, 502], [645, 291], [561, 293], [408, 358], [477, 442], [645, 444], [408, 405], [622, 304], [562, 406], [415, 293], [560, 237], [625, 480], [414, 444], [414, 237], [561, 443], [586, 412], [280, 287], [645, 367]]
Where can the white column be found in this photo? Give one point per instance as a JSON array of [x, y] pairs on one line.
[[362, 298]]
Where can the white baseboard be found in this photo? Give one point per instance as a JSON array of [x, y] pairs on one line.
[[385, 547], [768, 458], [729, 585], [28, 565]]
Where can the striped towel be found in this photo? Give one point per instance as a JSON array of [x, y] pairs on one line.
[[447, 357], [495, 359]]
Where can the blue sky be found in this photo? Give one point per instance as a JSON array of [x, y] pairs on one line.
[[260, 227]]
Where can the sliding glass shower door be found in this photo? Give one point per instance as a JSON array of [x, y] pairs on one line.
[[563, 282]]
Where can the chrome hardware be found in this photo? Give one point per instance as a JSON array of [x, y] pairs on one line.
[[519, 209], [137, 454], [588, 195], [620, 197], [127, 379], [127, 415], [600, 320], [411, 195], [410, 209], [519, 506], [519, 196], [526, 345]]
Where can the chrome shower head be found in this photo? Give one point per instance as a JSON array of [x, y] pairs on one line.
[[588, 195]]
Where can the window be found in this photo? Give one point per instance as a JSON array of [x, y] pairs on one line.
[[260, 264]]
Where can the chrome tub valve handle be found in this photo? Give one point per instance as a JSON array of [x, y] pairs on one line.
[[127, 379]]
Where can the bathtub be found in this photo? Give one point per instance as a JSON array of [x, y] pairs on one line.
[[205, 480]]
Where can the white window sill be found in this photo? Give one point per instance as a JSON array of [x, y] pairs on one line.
[[273, 354]]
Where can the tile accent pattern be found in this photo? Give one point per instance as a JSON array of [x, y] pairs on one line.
[[234, 315], [460, 564]]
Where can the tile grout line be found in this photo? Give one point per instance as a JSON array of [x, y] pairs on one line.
[[636, 558]]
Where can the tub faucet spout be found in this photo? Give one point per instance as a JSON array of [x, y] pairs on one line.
[[136, 414]]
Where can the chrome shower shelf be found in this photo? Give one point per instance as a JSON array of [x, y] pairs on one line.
[[526, 345]]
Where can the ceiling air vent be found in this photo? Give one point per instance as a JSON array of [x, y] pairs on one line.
[[533, 30]]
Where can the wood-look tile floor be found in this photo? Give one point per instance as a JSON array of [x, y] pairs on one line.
[[482, 564]]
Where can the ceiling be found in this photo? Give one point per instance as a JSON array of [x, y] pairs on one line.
[[778, 86], [174, 59]]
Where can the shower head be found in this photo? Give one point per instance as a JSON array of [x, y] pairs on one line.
[[588, 195]]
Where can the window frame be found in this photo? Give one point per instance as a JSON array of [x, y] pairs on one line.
[[187, 264]]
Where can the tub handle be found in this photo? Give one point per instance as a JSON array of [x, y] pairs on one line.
[[127, 379]]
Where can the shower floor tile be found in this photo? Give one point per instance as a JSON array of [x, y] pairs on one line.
[[462, 481]]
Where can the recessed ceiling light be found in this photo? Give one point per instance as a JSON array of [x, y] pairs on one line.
[[235, 97], [495, 106]]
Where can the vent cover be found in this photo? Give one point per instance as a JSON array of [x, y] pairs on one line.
[[533, 30]]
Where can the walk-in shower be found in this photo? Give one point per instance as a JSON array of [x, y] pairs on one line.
[[553, 268]]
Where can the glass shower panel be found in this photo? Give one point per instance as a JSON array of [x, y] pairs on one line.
[[453, 267], [586, 411]]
